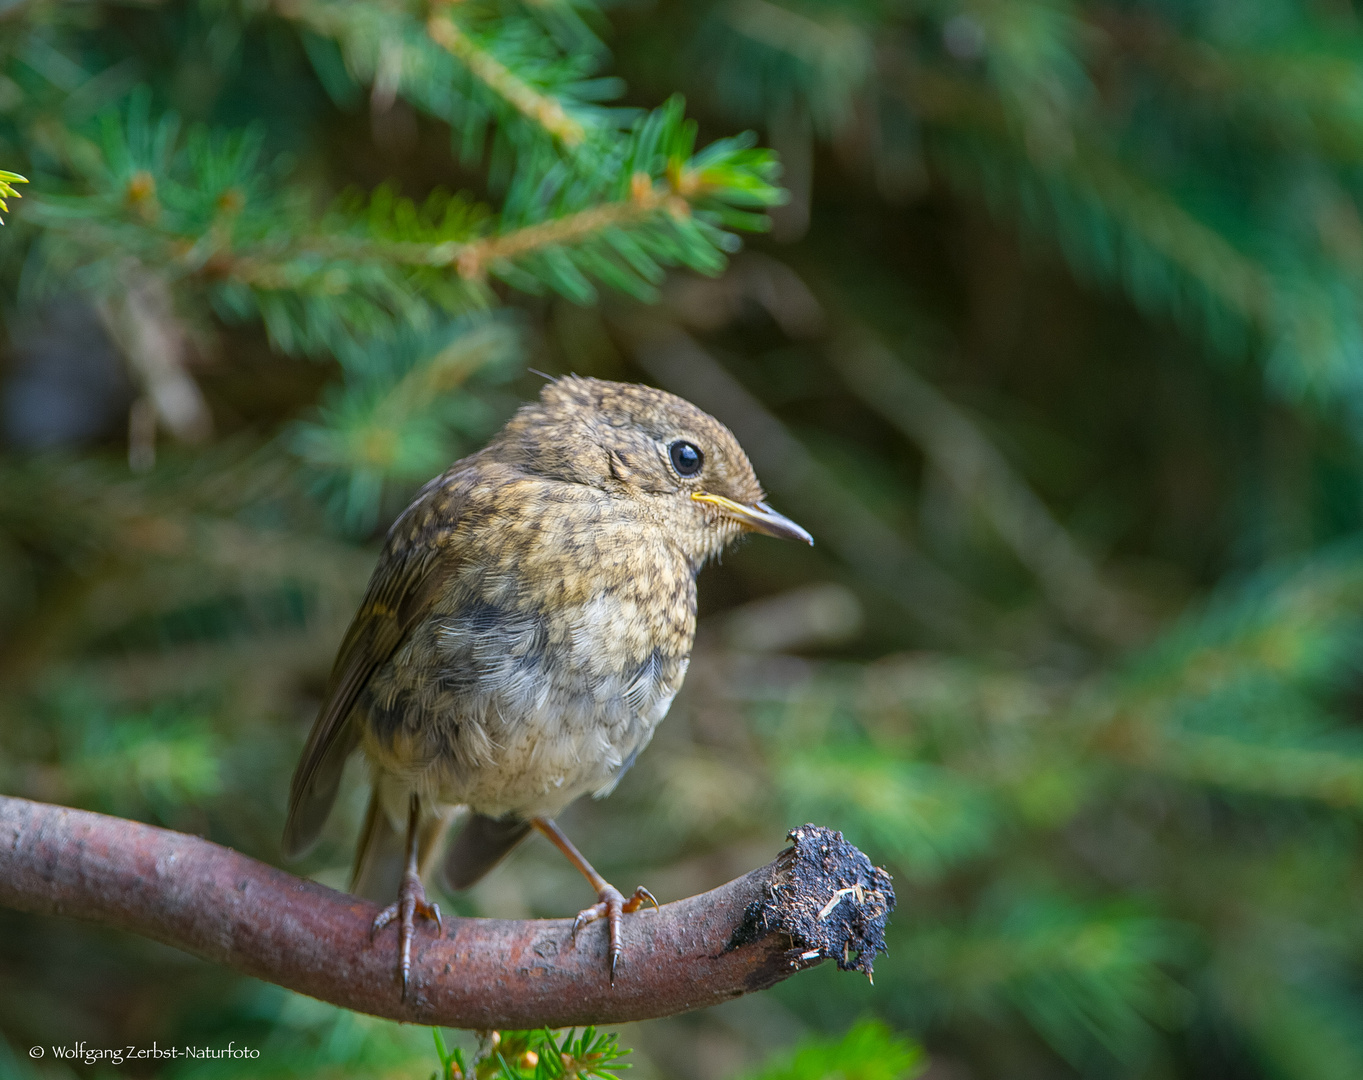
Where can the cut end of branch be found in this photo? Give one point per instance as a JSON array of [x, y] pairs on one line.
[[828, 898]]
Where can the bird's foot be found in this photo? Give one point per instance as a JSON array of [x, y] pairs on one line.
[[612, 907], [411, 902]]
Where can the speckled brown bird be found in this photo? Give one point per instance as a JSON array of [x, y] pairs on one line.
[[529, 622]]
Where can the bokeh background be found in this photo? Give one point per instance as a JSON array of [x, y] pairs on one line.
[[1056, 346]]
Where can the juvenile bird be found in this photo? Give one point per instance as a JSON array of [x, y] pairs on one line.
[[528, 624]]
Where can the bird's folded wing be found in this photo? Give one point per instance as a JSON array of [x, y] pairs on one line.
[[420, 555]]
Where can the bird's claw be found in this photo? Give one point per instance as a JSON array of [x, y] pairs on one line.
[[411, 902], [612, 907]]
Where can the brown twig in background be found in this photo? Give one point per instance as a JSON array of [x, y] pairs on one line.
[[480, 973]]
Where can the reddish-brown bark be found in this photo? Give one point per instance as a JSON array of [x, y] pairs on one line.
[[480, 973]]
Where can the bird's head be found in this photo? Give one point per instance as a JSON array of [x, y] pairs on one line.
[[684, 469]]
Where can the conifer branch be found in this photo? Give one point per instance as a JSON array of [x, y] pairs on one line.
[[275, 264], [7, 189], [474, 258], [513, 81], [375, 262], [536, 106]]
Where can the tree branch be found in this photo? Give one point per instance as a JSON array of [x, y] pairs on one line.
[[535, 105], [821, 898]]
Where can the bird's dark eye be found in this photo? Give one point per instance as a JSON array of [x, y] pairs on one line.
[[686, 457]]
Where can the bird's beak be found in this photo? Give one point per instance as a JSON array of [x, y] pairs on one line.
[[759, 517]]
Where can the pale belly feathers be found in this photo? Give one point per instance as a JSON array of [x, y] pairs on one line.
[[506, 712]]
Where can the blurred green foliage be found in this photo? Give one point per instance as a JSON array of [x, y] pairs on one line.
[[534, 1055], [1055, 344], [868, 1051]]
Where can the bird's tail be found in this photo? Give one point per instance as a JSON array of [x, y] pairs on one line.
[[381, 856], [481, 845]]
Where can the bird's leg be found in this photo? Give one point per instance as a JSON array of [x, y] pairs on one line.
[[610, 905], [411, 903]]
